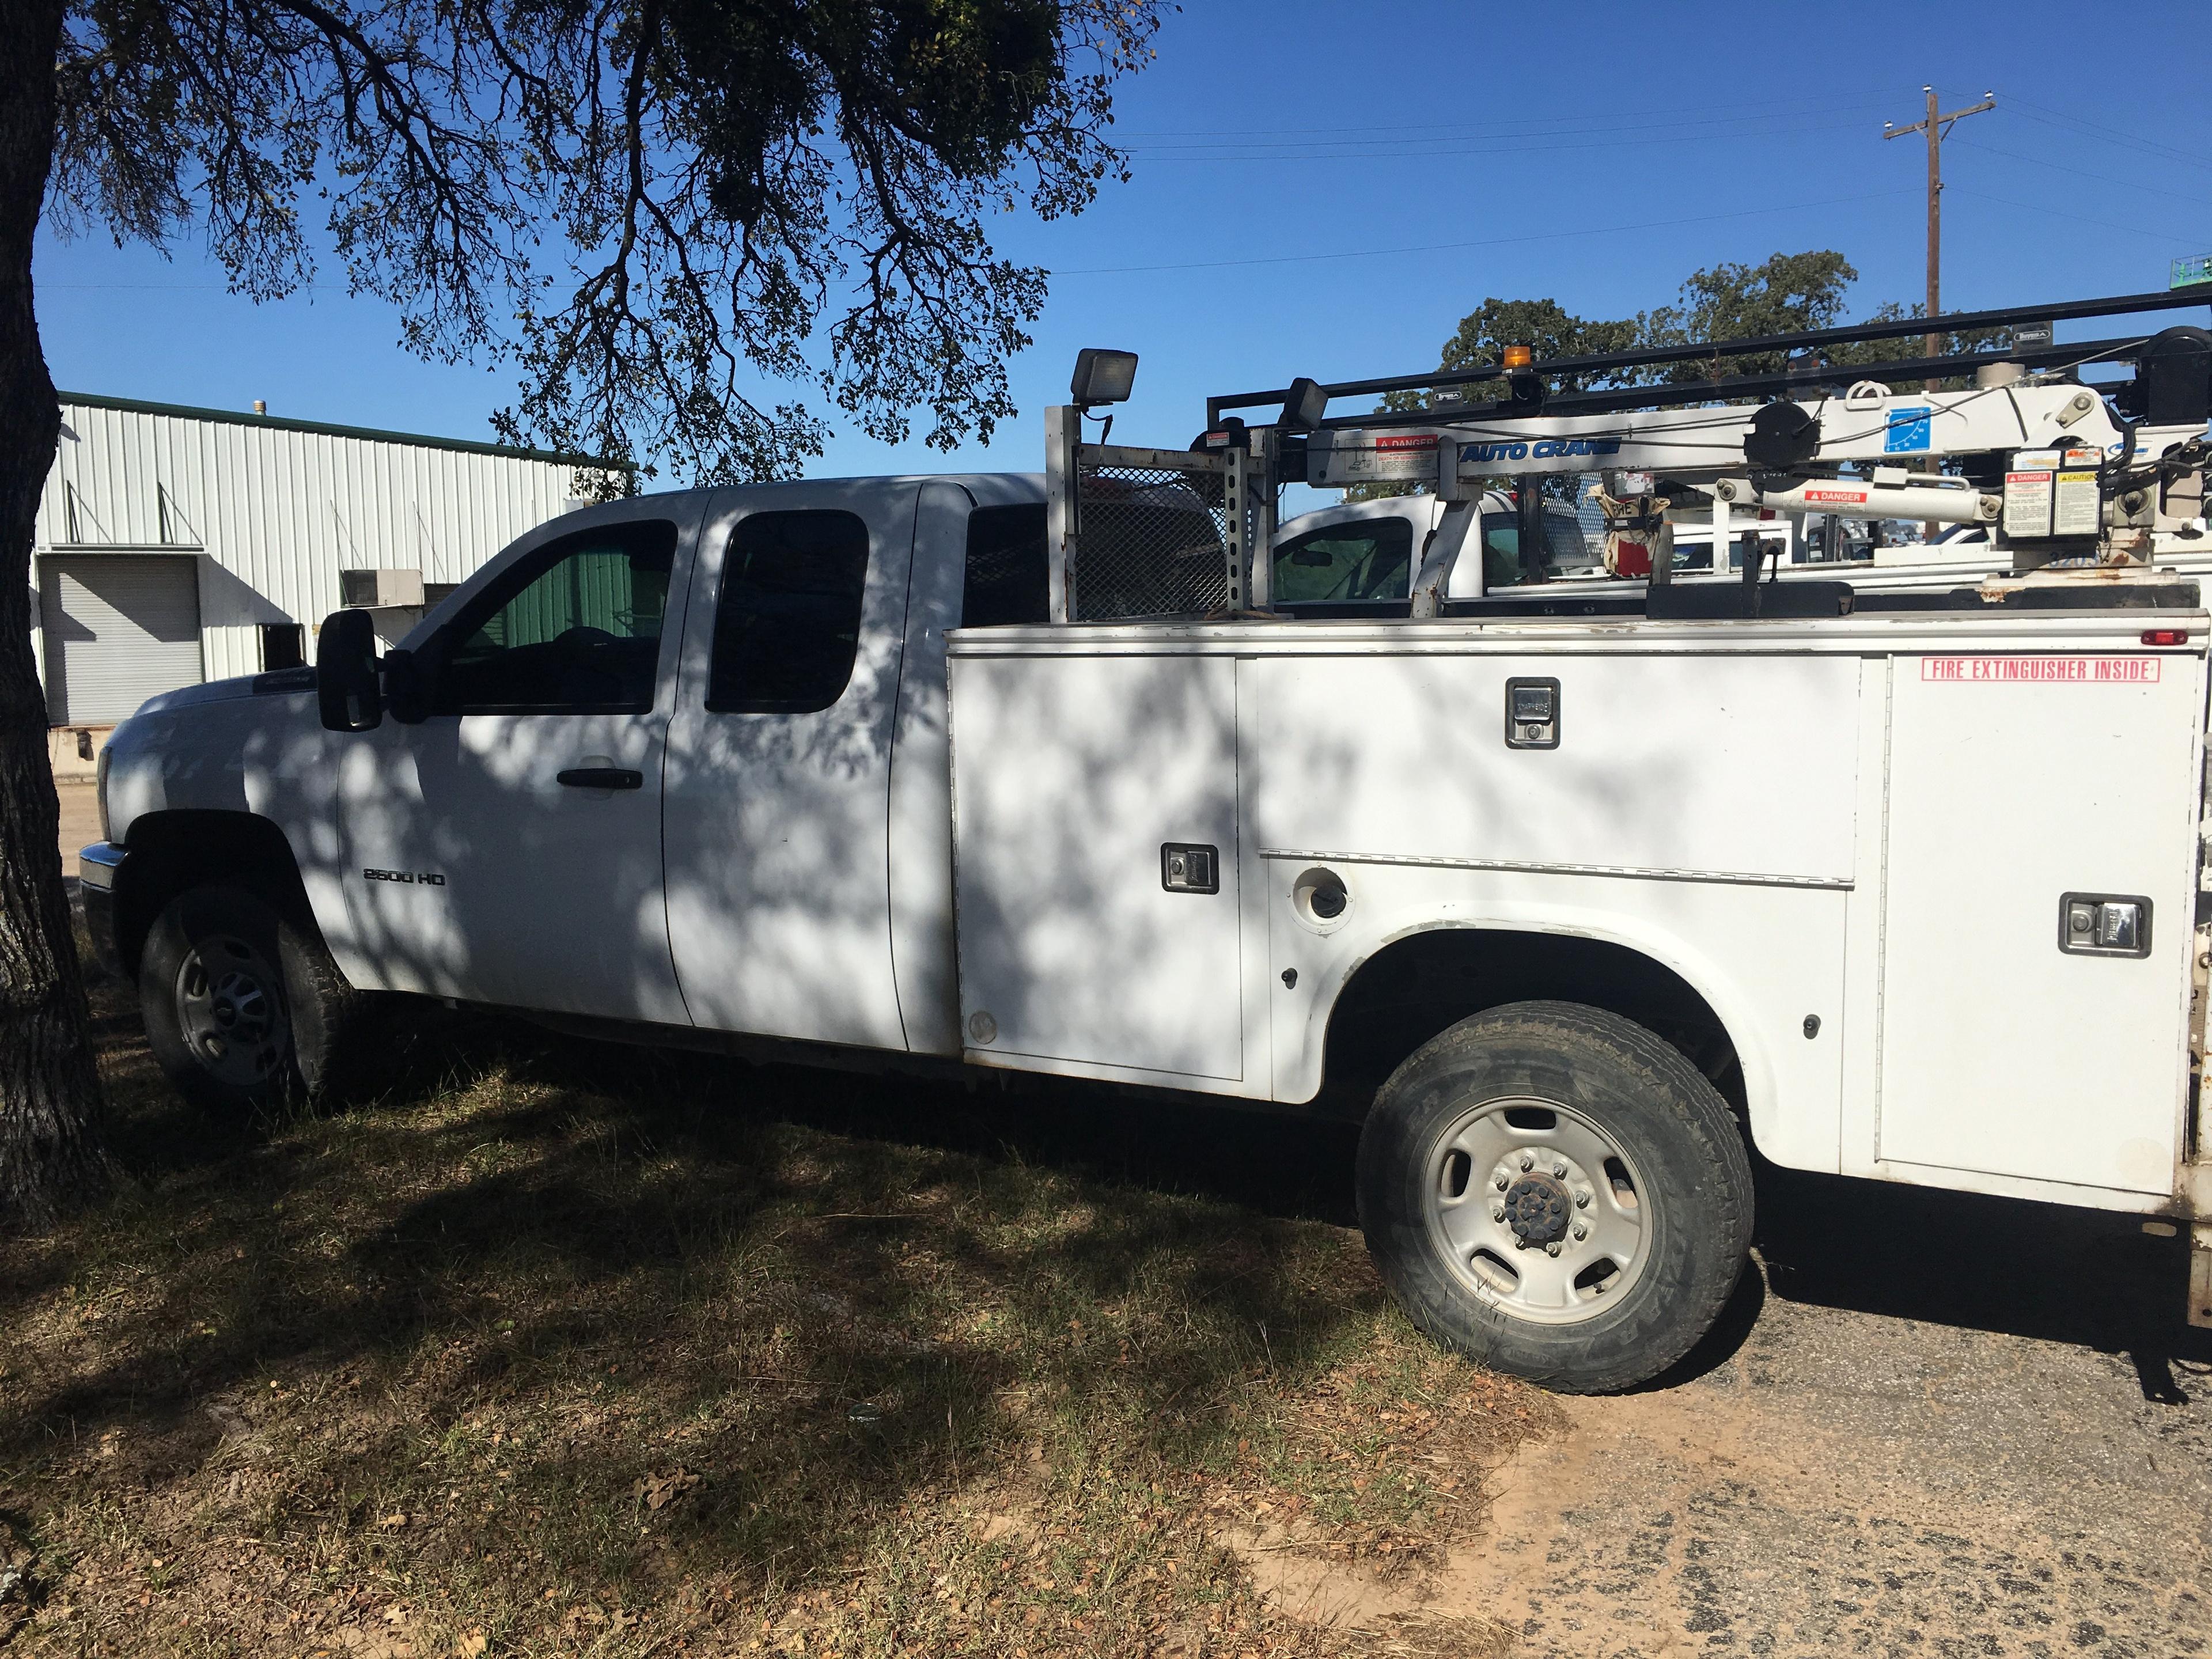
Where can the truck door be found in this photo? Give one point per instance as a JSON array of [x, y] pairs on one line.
[[506, 847], [775, 821]]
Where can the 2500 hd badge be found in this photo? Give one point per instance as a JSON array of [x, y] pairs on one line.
[[427, 878]]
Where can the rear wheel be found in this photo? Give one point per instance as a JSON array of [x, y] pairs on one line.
[[243, 1006], [1558, 1192]]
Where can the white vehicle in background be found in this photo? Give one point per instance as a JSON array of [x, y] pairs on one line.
[[1358, 559]]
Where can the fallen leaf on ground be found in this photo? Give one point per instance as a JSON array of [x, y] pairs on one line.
[[657, 1492]]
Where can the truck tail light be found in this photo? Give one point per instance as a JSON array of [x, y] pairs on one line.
[[2166, 636]]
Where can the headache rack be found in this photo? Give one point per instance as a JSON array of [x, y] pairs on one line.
[[2055, 473], [1139, 533]]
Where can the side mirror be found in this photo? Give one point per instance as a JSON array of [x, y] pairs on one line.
[[406, 687], [347, 689]]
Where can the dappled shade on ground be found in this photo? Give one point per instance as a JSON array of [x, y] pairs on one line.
[[541, 1347]]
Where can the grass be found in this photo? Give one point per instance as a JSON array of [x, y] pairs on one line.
[[539, 1347]]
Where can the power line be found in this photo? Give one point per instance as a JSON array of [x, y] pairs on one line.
[[1609, 143], [2058, 116], [1475, 132], [2079, 173], [2078, 218], [1511, 124], [1491, 241]]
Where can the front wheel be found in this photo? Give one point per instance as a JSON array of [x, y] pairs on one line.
[[1557, 1193], [244, 1008]]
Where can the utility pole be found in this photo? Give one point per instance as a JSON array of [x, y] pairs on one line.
[[1936, 126]]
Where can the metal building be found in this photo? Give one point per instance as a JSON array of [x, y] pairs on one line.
[[177, 545]]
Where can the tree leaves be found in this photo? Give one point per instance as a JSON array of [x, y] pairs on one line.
[[650, 207], [1485, 332], [1785, 294]]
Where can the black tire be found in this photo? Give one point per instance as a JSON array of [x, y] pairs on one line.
[[244, 1009], [1685, 1213]]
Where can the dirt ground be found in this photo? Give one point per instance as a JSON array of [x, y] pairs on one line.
[[80, 804], [1933, 1425]]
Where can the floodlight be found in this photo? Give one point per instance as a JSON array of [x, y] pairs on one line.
[[1303, 406], [1103, 376]]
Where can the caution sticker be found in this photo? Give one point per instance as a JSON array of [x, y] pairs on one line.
[[1393, 455], [2107, 671]]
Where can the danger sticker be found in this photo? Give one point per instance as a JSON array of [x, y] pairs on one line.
[[1388, 446], [1845, 496], [2109, 670]]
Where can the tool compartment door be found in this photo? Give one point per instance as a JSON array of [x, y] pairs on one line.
[[1070, 774], [2014, 780]]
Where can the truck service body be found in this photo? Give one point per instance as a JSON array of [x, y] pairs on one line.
[[1567, 910]]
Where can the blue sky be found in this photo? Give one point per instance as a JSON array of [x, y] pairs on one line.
[[1325, 188]]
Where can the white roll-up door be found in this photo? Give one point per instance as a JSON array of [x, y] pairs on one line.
[[119, 628]]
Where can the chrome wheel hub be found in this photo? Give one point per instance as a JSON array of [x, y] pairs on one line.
[[1538, 1211]]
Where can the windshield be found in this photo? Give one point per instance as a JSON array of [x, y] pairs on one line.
[[1567, 551], [1366, 559]]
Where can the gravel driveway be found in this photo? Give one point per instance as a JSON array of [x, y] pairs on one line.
[[1934, 1424]]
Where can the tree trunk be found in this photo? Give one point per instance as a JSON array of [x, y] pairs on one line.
[[50, 1155]]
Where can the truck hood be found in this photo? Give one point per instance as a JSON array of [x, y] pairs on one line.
[[283, 682]]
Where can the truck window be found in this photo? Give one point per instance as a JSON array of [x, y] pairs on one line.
[[1005, 581], [572, 628], [789, 619], [1367, 559], [1565, 549]]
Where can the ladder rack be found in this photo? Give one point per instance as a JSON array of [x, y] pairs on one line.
[[2039, 353], [2055, 471]]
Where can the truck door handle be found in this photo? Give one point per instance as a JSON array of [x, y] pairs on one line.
[[600, 777]]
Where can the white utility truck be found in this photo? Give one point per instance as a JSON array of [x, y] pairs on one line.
[[1358, 559], [1570, 911]]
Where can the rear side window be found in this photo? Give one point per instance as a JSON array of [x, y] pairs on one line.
[[788, 622], [572, 628], [1005, 579], [1366, 559]]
